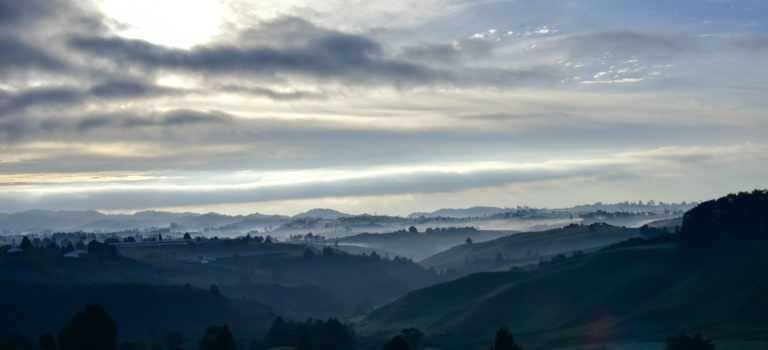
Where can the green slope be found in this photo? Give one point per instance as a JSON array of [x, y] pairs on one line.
[[528, 247], [640, 293]]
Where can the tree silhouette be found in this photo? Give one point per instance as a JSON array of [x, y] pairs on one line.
[[505, 340], [335, 336], [91, 329], [413, 336], [214, 290], [735, 216], [683, 341], [47, 342], [21, 341], [175, 341], [25, 243], [397, 342], [225, 341]]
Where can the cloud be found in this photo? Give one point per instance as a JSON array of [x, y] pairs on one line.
[[313, 53], [624, 43], [128, 89], [52, 96], [270, 93], [378, 180], [16, 55], [45, 96], [455, 52]]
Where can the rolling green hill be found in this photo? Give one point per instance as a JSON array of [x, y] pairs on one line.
[[527, 247], [627, 294]]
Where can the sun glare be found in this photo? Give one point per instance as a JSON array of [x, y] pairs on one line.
[[175, 23]]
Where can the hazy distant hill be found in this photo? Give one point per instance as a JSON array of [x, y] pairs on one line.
[[322, 214], [419, 245], [459, 213], [527, 247]]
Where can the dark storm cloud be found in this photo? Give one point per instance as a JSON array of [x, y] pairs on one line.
[[627, 43]]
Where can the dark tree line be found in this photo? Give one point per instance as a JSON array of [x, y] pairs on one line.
[[735, 216], [308, 335]]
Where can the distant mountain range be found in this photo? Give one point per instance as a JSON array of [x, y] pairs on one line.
[[460, 213], [322, 214], [328, 222]]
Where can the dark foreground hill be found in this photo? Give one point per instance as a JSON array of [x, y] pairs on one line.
[[142, 312]]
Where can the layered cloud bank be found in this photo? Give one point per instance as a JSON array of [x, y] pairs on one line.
[[287, 106]]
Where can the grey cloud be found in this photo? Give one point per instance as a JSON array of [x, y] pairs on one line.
[[174, 118], [333, 55], [16, 55], [425, 182], [11, 103], [627, 43], [300, 49], [272, 94], [758, 44], [128, 89], [443, 53], [38, 97]]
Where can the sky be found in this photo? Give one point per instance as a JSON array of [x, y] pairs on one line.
[[378, 107]]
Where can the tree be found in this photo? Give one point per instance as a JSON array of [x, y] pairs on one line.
[[505, 340], [208, 341], [47, 342], [21, 341], [413, 336], [214, 290], [683, 341], [102, 251], [468, 241], [26, 243], [187, 236], [225, 341], [335, 336], [175, 341], [91, 329], [413, 229], [397, 342]]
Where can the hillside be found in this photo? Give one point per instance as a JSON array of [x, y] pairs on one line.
[[293, 280], [639, 293], [419, 245], [527, 247], [142, 312]]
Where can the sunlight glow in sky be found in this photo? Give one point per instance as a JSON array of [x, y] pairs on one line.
[[388, 107]]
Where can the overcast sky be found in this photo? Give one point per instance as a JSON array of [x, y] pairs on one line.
[[378, 107]]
